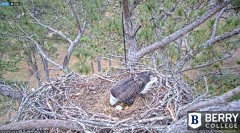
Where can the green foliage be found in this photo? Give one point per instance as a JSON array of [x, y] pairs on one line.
[[199, 36], [145, 34], [151, 5], [83, 68], [224, 83], [180, 12], [114, 25], [235, 2], [85, 54], [5, 104], [238, 61], [173, 53], [93, 11]]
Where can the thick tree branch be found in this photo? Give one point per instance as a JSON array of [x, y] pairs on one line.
[[181, 32], [218, 100], [80, 33], [38, 124]]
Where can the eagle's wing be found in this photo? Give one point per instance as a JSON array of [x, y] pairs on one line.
[[133, 89], [120, 86]]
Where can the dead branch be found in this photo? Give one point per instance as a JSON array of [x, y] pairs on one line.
[[218, 100], [40, 50], [51, 29], [73, 45], [38, 124]]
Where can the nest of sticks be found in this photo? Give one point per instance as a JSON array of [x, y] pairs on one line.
[[85, 100]]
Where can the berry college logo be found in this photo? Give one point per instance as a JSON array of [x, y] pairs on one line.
[[194, 120]]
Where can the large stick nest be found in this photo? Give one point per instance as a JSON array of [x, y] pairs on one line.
[[85, 100]]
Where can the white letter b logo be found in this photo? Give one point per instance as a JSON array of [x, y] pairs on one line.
[[194, 120]]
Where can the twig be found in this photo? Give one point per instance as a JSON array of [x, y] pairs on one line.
[[52, 29]]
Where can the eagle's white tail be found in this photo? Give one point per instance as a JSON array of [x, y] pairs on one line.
[[113, 100]]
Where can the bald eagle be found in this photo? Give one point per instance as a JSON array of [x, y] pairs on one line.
[[126, 90]]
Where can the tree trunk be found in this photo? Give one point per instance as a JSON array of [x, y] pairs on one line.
[[129, 32], [35, 69]]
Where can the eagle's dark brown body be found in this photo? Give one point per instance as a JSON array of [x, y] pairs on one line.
[[127, 89]]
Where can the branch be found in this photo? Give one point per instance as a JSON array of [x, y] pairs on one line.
[[80, 33], [169, 11], [181, 32], [72, 46], [51, 29], [135, 30], [9, 92], [38, 124], [214, 30], [204, 65], [211, 41], [220, 37], [40, 50], [75, 15], [218, 100]]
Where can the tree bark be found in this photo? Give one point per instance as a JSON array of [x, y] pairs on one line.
[[38, 124], [218, 100], [130, 32]]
